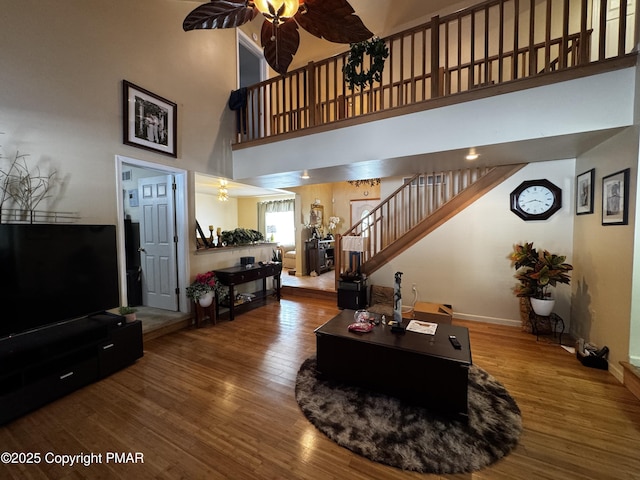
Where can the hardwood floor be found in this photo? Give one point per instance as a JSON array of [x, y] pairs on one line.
[[218, 402]]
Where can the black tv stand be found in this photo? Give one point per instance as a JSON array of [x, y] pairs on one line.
[[38, 366]]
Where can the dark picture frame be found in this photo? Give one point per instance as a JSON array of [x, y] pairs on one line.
[[149, 121], [584, 192], [615, 198]]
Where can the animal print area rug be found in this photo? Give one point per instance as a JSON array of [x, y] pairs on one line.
[[387, 430]]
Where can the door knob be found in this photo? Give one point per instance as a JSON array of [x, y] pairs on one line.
[[142, 250]]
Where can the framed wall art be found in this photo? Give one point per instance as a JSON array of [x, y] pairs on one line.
[[615, 198], [150, 121], [584, 192], [316, 217]]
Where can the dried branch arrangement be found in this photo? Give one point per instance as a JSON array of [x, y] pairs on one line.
[[24, 188]]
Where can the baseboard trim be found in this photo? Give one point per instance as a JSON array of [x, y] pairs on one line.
[[477, 318]]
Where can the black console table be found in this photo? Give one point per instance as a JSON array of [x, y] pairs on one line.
[[38, 366], [233, 276]]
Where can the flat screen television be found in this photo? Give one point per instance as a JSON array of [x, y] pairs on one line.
[[51, 273]]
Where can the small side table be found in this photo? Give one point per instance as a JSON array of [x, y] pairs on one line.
[[553, 320]]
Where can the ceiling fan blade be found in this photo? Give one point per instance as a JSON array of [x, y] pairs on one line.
[[280, 44], [333, 20], [219, 14]]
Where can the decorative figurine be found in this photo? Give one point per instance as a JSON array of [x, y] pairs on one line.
[[396, 324]]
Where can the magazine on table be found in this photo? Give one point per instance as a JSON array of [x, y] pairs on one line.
[[418, 326]]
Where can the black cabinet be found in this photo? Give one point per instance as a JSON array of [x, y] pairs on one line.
[[123, 347], [319, 255], [39, 366], [352, 295]]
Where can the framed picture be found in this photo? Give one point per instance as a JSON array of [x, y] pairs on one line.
[[316, 216], [150, 121], [584, 192], [615, 198]]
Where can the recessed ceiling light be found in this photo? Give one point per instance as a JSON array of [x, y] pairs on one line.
[[472, 156], [305, 175]]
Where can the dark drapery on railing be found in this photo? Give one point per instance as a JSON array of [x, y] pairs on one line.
[[491, 43]]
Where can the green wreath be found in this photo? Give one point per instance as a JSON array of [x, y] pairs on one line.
[[354, 72]]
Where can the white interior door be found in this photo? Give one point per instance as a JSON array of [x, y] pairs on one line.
[[157, 242]]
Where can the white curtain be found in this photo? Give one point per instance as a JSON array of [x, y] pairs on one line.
[[272, 207]]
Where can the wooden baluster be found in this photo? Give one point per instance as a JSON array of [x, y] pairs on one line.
[[302, 122], [584, 36], [412, 77], [402, 99], [602, 41], [532, 40], [435, 55], [516, 34], [501, 42], [487, 73], [564, 44], [444, 87], [311, 95], [472, 53], [547, 38], [622, 28], [459, 86]]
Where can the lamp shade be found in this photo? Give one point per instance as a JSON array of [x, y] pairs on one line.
[[272, 8]]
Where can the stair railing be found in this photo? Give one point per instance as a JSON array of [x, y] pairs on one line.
[[494, 42], [415, 200]]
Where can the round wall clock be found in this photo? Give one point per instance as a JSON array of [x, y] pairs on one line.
[[536, 199]]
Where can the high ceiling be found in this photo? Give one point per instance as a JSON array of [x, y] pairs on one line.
[[382, 17], [385, 16]]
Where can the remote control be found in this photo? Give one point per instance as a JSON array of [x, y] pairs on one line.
[[454, 341]]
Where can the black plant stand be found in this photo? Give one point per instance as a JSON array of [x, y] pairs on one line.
[[553, 320]]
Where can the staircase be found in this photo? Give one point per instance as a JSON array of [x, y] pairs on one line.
[[419, 206]]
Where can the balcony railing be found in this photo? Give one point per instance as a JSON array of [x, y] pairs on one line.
[[495, 42]]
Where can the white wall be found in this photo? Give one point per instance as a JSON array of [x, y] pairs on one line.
[[61, 96], [465, 262], [604, 256], [211, 211]]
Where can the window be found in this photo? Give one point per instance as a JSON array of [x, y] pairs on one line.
[[279, 226], [276, 221], [365, 222]]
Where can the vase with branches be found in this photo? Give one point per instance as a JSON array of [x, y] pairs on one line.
[[26, 188]]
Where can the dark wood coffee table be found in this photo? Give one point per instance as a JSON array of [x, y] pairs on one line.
[[422, 369]]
